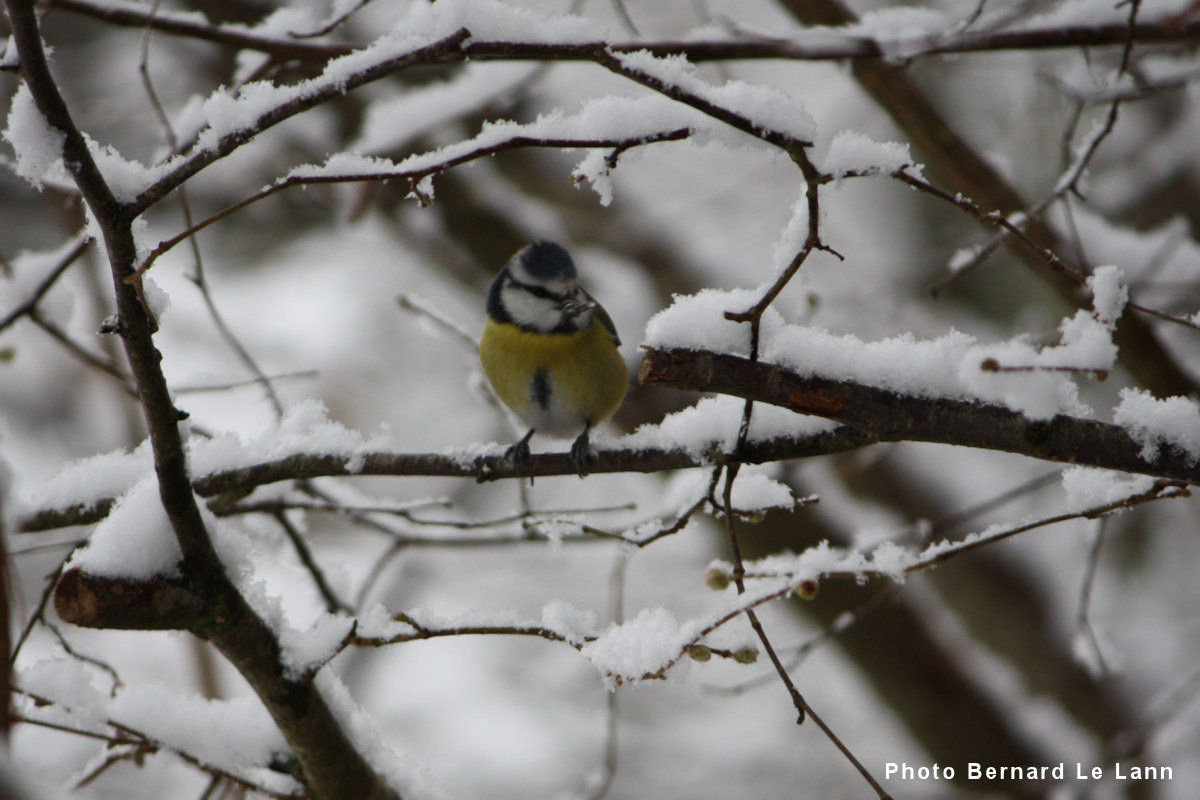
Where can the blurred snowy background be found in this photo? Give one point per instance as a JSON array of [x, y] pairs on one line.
[[1016, 654]]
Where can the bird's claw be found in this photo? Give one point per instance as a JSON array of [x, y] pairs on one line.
[[580, 454], [519, 452]]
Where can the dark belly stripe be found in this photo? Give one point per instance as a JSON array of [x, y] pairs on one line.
[[541, 389]]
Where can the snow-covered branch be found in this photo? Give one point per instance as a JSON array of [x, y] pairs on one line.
[[485, 464], [889, 415], [418, 169]]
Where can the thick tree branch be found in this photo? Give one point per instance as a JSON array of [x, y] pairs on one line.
[[136, 325], [332, 766], [889, 416], [161, 604]]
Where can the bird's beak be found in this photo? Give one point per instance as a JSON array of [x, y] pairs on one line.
[[574, 308]]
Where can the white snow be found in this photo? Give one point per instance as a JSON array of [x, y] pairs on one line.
[[307, 650], [305, 428], [29, 271], [954, 366], [363, 731], [126, 177], [1155, 423], [236, 734], [377, 622], [37, 146], [226, 114], [1109, 293], [157, 301], [574, 624], [135, 540], [640, 647], [1086, 488], [854, 153], [792, 237], [768, 108], [698, 322], [754, 491], [70, 684], [888, 559], [615, 118], [713, 423], [595, 170]]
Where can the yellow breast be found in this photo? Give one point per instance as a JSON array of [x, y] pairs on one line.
[[558, 383]]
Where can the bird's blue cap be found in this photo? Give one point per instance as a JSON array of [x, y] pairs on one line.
[[547, 261]]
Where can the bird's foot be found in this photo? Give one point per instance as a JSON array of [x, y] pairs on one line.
[[580, 452], [519, 452]]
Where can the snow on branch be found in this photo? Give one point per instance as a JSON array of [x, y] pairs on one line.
[[307, 446], [142, 720], [643, 648], [652, 643], [1103, 494], [234, 121], [949, 390], [639, 122], [897, 414]]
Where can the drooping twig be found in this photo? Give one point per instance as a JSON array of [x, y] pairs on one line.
[[332, 603], [413, 176], [1011, 226]]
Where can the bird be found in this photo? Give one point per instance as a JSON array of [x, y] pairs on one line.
[[550, 350]]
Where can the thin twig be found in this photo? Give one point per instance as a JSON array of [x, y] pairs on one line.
[[1083, 619], [75, 654], [83, 354], [412, 175], [332, 603], [934, 556], [332, 24], [803, 709], [29, 305], [609, 761], [1011, 227], [199, 278], [40, 610], [958, 517], [224, 387], [128, 736], [844, 622], [626, 20], [419, 307]]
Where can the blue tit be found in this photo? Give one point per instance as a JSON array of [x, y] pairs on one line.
[[550, 350]]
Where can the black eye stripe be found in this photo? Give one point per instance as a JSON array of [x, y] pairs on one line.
[[537, 291]]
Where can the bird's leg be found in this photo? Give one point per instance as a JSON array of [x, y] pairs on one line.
[[519, 452], [579, 451]]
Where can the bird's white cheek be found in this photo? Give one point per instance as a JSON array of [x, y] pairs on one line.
[[528, 311]]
